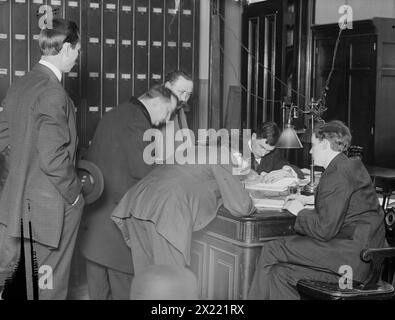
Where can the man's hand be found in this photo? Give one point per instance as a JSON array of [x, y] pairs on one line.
[[276, 175], [305, 200], [294, 206]]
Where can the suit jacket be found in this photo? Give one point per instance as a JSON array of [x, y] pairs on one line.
[[38, 127], [178, 122], [180, 199], [117, 149], [347, 218], [273, 161]]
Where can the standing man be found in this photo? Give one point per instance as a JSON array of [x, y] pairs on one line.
[[181, 84], [117, 149], [346, 218], [39, 128]]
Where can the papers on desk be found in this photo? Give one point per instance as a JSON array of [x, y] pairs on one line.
[[268, 203], [280, 186]]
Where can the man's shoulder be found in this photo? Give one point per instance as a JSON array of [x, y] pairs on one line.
[[350, 169], [274, 155], [33, 86]]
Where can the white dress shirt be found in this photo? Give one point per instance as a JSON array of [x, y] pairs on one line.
[[55, 70]]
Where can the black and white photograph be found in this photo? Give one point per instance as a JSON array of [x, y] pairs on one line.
[[197, 154]]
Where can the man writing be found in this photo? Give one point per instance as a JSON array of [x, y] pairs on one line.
[[266, 159], [346, 218]]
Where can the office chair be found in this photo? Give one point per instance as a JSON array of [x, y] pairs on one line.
[[373, 288]]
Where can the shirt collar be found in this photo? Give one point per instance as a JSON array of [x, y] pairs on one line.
[[54, 69], [256, 158]]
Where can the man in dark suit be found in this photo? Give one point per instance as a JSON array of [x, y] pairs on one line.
[[266, 159], [117, 149], [38, 126], [181, 84], [346, 218]]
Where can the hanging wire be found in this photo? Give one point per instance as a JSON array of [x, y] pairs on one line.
[[259, 63], [239, 81], [176, 8], [324, 91]]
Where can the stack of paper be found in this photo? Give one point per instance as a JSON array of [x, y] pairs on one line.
[[281, 185], [268, 203]]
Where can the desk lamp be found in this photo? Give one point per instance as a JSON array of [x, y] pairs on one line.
[[289, 138]]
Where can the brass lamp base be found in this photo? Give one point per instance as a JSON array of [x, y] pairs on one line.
[[309, 189]]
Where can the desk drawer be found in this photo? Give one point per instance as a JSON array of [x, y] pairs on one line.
[[251, 231]]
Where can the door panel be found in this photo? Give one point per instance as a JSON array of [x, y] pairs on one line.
[[362, 92], [262, 35]]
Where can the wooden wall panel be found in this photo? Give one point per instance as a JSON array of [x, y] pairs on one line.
[[110, 54], [186, 36], [72, 80], [141, 65], [35, 15], [19, 42], [4, 48], [93, 40], [156, 42], [126, 47], [171, 37], [125, 42]]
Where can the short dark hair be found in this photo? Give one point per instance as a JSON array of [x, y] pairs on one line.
[[51, 40], [159, 91], [174, 75], [337, 133], [269, 131]]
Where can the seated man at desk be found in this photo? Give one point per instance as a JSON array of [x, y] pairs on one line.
[[346, 218], [158, 215], [265, 158]]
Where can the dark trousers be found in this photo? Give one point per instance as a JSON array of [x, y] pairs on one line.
[[54, 264], [107, 284], [275, 279]]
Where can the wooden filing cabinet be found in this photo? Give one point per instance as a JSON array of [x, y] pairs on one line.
[[224, 254]]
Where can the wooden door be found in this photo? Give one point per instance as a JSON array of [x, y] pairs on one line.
[[361, 81], [351, 94], [262, 35]]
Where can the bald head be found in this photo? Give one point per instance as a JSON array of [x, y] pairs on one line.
[[163, 282]]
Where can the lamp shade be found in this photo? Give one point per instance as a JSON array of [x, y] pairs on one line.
[[289, 139]]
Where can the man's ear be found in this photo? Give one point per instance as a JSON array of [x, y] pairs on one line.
[[327, 144], [253, 137], [66, 47]]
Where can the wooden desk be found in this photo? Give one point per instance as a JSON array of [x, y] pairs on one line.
[[383, 178], [225, 253]]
